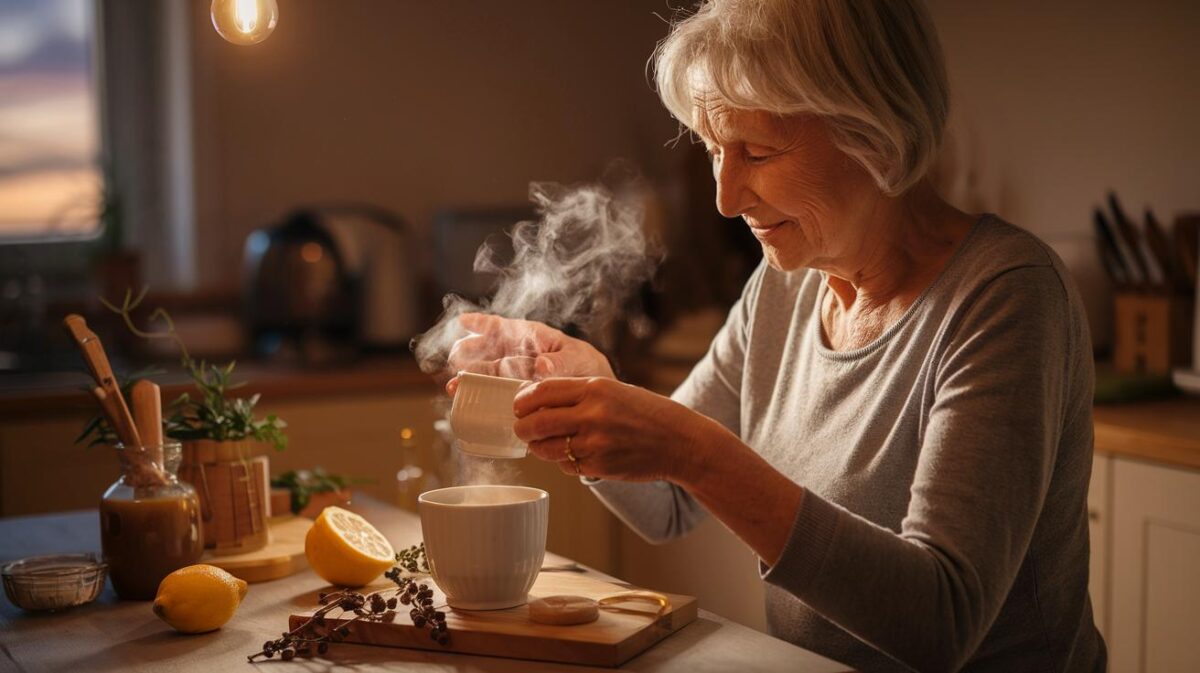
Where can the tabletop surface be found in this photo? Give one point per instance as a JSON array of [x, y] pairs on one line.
[[110, 634]]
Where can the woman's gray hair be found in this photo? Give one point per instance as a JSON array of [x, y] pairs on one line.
[[872, 69]]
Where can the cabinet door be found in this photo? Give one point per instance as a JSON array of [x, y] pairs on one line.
[[1098, 529], [1153, 616]]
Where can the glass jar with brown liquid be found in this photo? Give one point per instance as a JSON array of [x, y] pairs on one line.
[[149, 522]]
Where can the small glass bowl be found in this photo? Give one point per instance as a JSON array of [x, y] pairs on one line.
[[54, 581]]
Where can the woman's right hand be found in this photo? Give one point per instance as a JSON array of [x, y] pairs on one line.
[[521, 349]]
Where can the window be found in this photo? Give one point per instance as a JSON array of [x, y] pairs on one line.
[[51, 184]]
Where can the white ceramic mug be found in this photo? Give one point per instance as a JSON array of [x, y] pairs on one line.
[[482, 416], [485, 544]]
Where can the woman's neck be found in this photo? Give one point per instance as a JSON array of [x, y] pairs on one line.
[[918, 234]]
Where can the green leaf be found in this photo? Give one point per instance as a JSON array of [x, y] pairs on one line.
[[92, 426]]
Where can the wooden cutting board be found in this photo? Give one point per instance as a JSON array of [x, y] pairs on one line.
[[283, 555], [616, 637]]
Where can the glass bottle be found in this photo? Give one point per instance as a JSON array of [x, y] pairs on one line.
[[149, 521]]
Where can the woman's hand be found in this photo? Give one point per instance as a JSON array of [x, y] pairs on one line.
[[616, 431], [521, 349]]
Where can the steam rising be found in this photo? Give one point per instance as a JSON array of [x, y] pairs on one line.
[[575, 265], [476, 470]]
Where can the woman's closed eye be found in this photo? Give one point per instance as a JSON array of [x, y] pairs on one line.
[[759, 154], [753, 155]]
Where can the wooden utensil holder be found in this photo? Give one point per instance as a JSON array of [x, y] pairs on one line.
[[233, 487], [1153, 332]]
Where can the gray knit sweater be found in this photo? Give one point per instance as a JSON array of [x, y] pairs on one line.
[[946, 464]]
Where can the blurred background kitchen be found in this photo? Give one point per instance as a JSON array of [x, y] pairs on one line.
[[302, 204]]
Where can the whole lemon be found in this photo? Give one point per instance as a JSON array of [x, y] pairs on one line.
[[346, 550], [198, 598]]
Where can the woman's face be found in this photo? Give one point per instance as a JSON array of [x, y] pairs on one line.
[[803, 198]]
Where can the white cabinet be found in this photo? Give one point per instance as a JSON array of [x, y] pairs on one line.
[[1154, 597], [1099, 523]]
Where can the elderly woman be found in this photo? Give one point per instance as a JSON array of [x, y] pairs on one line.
[[896, 416]]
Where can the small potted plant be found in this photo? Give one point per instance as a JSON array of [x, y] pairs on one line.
[[222, 442], [223, 457], [311, 491]]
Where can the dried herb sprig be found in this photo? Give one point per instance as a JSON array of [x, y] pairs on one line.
[[413, 559], [315, 635]]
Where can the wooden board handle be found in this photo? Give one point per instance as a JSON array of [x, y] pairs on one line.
[[146, 399], [93, 351], [97, 362]]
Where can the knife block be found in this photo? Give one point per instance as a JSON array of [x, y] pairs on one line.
[[1153, 332]]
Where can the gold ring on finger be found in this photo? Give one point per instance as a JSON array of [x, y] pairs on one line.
[[571, 456]]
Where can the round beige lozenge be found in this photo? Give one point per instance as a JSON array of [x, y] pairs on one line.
[[563, 610]]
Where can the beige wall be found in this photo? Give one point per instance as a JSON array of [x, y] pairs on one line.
[[419, 106], [1056, 102], [416, 106]]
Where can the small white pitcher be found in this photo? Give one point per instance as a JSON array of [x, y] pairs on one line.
[[482, 416]]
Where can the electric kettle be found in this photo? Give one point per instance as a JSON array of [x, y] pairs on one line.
[[327, 282]]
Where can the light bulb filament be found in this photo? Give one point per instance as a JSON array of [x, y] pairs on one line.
[[243, 21], [246, 15]]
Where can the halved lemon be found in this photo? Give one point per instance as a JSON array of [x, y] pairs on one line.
[[346, 550]]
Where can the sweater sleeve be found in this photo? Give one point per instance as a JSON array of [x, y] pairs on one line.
[[661, 511], [928, 594]]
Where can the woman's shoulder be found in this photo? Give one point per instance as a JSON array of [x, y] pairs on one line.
[[1004, 272], [997, 245], [997, 251]]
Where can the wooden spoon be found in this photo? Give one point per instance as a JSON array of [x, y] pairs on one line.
[[97, 362]]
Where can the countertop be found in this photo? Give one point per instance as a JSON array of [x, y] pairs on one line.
[[114, 635], [50, 392], [1162, 431]]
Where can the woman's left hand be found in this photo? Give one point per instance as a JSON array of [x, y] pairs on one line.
[[616, 431]]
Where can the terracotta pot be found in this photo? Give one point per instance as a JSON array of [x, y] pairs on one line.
[[231, 479], [319, 501]]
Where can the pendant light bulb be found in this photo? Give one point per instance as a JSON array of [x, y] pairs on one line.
[[245, 21]]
